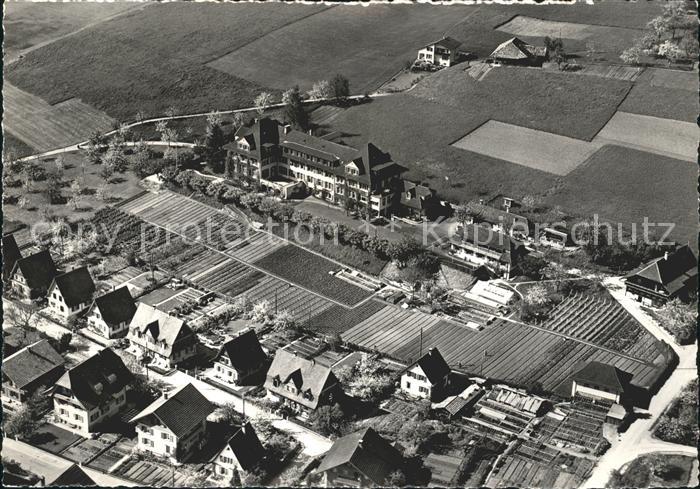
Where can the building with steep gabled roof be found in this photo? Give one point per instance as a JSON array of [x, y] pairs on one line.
[[110, 314], [32, 275], [73, 476], [242, 452], [71, 293], [32, 368], [10, 255], [515, 51], [164, 339], [443, 52], [673, 275], [360, 459], [91, 393], [241, 360], [428, 377], [174, 426]]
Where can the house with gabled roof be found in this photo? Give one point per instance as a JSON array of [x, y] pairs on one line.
[[241, 360], [164, 339], [91, 393], [174, 426], [428, 377], [32, 275], [10, 255], [360, 459], [420, 202], [28, 370], [110, 314], [73, 476], [443, 52], [673, 275], [479, 245], [515, 51], [241, 453], [71, 293], [599, 380], [300, 383]]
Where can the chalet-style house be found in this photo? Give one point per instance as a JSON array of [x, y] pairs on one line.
[[420, 202], [71, 293], [673, 275], [300, 383], [241, 360], [440, 53], [361, 459], [110, 314], [558, 237], [517, 52], [241, 453], [10, 255], [500, 221], [277, 157], [596, 380], [427, 378], [479, 245], [91, 393], [161, 338], [31, 369], [32, 275], [175, 425]]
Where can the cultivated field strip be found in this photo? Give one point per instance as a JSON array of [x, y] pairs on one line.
[[45, 127], [256, 247], [326, 114], [302, 304]]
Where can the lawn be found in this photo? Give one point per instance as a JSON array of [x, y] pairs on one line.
[[655, 470], [664, 93], [52, 438], [625, 185], [107, 69]]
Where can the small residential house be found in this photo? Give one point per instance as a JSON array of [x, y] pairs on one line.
[[500, 221], [241, 360], [241, 453], [427, 378], [71, 293], [479, 246], [175, 425], [33, 368], [10, 255], [160, 337], [32, 275], [674, 275], [596, 380], [110, 314], [556, 236], [300, 383], [420, 202], [443, 52], [360, 459], [91, 393], [514, 51]]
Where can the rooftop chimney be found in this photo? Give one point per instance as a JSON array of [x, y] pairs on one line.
[[665, 255], [287, 128]]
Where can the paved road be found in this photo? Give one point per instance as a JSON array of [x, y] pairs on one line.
[[51, 466]]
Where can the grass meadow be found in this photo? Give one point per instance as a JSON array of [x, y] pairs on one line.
[[669, 94]]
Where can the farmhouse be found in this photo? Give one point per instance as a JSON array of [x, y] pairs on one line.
[[300, 383], [517, 52], [478, 245], [440, 53], [174, 426], [428, 378], [241, 360], [420, 202], [241, 453], [29, 370], [71, 293], [32, 275], [673, 275], [111, 313], [598, 380], [500, 221], [92, 392], [361, 459], [163, 339], [10, 255], [270, 152]]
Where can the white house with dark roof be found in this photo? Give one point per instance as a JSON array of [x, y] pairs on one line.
[[479, 245], [443, 52], [241, 360], [110, 314], [91, 393], [428, 377], [160, 337], [32, 275], [300, 383], [174, 426], [241, 453], [71, 293], [598, 380], [32, 368]]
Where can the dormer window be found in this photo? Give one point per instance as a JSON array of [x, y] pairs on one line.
[[112, 378], [276, 381], [99, 388]]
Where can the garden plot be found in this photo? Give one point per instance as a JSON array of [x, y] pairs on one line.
[[45, 127], [151, 473], [258, 246], [338, 319], [661, 136], [326, 114], [170, 210], [528, 147]]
